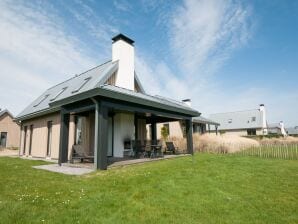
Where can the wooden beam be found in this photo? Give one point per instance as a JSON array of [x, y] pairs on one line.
[[101, 136], [153, 130], [64, 128], [189, 140]]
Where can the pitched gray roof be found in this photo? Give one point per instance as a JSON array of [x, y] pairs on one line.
[[149, 100], [96, 77], [91, 83], [203, 120], [238, 120], [273, 125], [2, 112], [292, 130]]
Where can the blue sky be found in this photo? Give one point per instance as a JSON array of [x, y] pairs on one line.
[[224, 55]]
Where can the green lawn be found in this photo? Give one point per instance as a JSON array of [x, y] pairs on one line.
[[206, 189]]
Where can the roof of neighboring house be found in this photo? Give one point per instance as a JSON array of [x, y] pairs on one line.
[[92, 83], [2, 112], [292, 130], [274, 126], [238, 120], [203, 120]]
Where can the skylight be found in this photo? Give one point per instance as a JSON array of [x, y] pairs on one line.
[[43, 99], [58, 94], [81, 85]]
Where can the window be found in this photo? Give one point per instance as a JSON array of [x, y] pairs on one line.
[[183, 128], [49, 141], [3, 139], [253, 119], [82, 85], [167, 126], [58, 94], [43, 99], [251, 132], [230, 121], [30, 140]]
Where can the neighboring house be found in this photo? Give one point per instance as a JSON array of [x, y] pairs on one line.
[[101, 109], [248, 122], [9, 130], [277, 128], [293, 131]]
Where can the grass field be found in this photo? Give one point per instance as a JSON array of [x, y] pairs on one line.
[[206, 189]]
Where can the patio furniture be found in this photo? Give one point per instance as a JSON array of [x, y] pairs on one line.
[[156, 148], [170, 147], [138, 148], [78, 152]]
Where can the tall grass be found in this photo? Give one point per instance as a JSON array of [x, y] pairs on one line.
[[279, 151], [282, 148], [222, 143]]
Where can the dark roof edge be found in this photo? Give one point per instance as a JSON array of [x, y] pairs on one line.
[[207, 121], [123, 97], [37, 114]]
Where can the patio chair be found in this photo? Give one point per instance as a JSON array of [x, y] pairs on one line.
[[78, 152], [170, 147], [138, 148]]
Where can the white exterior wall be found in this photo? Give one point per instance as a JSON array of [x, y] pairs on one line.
[[124, 52], [240, 132], [123, 129]]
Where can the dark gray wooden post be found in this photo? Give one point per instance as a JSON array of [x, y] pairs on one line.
[[136, 127], [153, 130], [64, 128], [101, 136], [209, 128], [216, 129], [189, 142]]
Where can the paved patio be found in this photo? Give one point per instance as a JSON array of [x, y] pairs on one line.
[[65, 169], [85, 168]]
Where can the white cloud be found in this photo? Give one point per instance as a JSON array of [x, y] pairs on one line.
[[203, 35], [122, 5], [35, 53]]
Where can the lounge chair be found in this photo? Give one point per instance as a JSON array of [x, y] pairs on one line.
[[78, 152], [170, 147]]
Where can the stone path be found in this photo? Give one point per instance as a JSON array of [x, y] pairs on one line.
[[65, 169]]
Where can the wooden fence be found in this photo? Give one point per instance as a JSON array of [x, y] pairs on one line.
[[270, 151], [278, 151]]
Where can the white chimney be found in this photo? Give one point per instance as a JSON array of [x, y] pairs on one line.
[[187, 102], [264, 119], [282, 128], [123, 51]]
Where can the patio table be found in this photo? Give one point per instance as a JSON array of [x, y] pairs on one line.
[[154, 149]]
